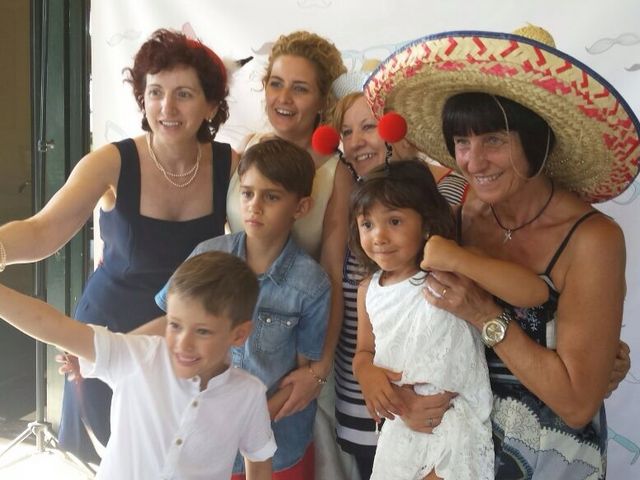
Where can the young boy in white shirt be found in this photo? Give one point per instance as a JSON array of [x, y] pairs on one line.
[[178, 410]]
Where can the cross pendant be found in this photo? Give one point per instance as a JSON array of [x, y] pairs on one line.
[[507, 236]]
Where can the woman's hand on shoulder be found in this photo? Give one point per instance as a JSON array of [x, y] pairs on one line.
[[460, 296]]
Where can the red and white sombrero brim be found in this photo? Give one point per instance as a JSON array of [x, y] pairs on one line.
[[598, 148]]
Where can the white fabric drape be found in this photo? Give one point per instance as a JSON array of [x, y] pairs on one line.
[[604, 36]]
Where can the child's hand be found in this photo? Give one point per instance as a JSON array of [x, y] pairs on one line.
[[69, 366], [441, 254], [379, 395]]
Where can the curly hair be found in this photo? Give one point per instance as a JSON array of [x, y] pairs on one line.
[[320, 52], [167, 49]]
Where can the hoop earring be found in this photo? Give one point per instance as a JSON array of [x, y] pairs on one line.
[[211, 127]]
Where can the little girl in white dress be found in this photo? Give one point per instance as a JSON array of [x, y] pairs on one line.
[[393, 211]]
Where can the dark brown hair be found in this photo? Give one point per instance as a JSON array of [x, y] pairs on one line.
[[478, 113], [221, 282], [400, 184], [168, 49], [283, 163]]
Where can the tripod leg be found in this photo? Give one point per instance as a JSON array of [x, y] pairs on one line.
[[19, 439], [51, 439], [46, 438]]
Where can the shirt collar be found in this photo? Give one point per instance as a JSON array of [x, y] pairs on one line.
[[279, 269], [215, 382], [240, 247]]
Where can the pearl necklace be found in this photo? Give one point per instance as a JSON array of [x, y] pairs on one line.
[[509, 231], [192, 172]]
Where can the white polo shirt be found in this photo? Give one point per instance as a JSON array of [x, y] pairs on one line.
[[164, 427]]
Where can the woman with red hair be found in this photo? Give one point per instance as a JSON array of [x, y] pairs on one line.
[[159, 195]]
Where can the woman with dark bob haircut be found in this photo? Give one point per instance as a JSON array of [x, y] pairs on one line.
[[538, 149], [159, 195]]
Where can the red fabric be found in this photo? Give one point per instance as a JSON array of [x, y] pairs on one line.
[[303, 470]]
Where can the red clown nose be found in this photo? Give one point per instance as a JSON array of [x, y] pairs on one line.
[[325, 140], [392, 127]]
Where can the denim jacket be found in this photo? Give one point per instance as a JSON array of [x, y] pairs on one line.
[[290, 318]]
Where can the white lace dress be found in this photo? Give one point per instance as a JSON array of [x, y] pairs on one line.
[[442, 352]]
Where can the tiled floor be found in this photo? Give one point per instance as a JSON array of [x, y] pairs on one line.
[[24, 462]]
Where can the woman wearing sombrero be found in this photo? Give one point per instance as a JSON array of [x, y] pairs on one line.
[[539, 137]]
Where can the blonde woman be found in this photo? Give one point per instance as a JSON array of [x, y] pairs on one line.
[[297, 87]]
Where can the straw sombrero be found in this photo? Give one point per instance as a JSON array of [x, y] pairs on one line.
[[597, 149]]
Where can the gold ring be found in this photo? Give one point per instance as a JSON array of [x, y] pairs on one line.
[[444, 292]]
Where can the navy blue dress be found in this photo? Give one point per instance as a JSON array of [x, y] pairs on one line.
[[140, 254]]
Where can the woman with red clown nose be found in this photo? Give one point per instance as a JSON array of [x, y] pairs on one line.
[[366, 144]]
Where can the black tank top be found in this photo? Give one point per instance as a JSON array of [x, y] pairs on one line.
[[141, 253]]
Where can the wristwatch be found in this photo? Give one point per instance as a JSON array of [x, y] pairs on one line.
[[494, 330]]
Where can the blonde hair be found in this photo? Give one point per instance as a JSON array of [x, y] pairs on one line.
[[339, 110], [320, 52]]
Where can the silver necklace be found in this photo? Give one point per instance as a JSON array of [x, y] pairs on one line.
[[509, 231], [169, 176]]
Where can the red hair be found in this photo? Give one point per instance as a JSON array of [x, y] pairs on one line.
[[168, 49]]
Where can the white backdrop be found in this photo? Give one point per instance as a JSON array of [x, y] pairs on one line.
[[604, 35]]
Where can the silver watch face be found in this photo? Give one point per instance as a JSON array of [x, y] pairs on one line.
[[493, 332]]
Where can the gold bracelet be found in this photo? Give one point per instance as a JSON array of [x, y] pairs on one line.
[[3, 257], [319, 379]]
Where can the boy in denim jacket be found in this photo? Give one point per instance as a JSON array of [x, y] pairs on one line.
[[290, 319]]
